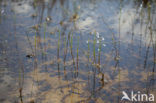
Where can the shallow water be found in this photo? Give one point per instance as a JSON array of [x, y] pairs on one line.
[[76, 51]]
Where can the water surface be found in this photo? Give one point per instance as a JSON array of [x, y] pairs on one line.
[[76, 51]]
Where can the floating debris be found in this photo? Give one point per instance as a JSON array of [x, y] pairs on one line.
[[74, 17], [19, 4], [113, 88], [52, 33], [32, 101], [78, 7], [102, 78], [30, 56], [92, 32], [117, 58], [34, 15], [61, 23], [35, 27], [48, 19], [59, 60], [44, 53], [97, 65]]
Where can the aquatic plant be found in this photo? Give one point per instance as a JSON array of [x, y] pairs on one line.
[[71, 41], [94, 46], [65, 49], [45, 26], [71, 48], [88, 54], [35, 40], [58, 47], [99, 51], [78, 53]]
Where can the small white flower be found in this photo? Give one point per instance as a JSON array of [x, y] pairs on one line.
[[104, 45], [98, 49], [97, 34], [87, 41], [103, 38], [97, 41], [2, 11], [141, 6]]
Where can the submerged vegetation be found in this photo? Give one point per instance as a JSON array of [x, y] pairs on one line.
[[76, 51]]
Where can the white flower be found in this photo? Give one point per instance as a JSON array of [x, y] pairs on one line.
[[97, 34], [104, 45], [103, 38], [122, 11], [87, 41], [141, 6], [98, 49], [2, 11], [97, 41]]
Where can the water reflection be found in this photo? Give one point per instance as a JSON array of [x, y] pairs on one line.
[[76, 51]]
